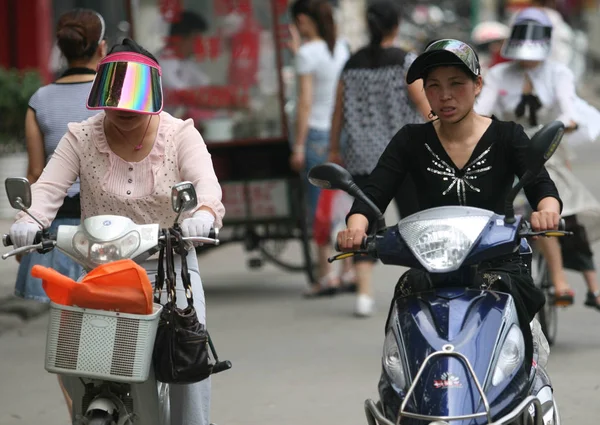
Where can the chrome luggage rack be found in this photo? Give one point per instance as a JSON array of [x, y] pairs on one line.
[[376, 417]]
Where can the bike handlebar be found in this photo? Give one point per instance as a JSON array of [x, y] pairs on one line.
[[364, 246], [45, 243], [7, 241]]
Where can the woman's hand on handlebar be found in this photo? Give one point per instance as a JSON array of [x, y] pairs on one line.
[[199, 225], [547, 216], [350, 239], [23, 234], [544, 220]]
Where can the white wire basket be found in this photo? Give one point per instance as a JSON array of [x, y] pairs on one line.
[[100, 344]]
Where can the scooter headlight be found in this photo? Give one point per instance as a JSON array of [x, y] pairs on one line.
[[511, 355], [105, 252], [441, 245], [392, 361]]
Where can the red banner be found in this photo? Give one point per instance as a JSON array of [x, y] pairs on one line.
[[243, 69], [204, 47], [171, 10], [225, 7], [209, 97], [281, 6]]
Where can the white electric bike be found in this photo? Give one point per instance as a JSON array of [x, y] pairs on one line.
[[104, 357]]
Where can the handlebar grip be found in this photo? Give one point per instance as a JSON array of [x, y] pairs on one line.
[[213, 233], [363, 244], [39, 236]]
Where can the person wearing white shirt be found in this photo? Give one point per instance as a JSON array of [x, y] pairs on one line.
[[566, 44], [534, 90], [319, 62], [180, 70]]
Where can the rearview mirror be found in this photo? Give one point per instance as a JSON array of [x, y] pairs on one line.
[[543, 145], [18, 191], [330, 176], [183, 197], [334, 176]]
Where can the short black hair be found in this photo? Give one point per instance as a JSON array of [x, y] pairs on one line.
[[188, 23], [128, 45], [463, 69]]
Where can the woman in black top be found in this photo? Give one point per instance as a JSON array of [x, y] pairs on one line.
[[461, 158]]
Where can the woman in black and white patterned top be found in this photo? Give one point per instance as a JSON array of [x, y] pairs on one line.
[[373, 103]]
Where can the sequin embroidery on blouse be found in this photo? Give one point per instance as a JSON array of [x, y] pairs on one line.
[[472, 172]]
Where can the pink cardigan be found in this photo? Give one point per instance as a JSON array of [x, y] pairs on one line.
[[138, 190]]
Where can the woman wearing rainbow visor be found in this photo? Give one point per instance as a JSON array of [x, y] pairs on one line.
[[128, 157]]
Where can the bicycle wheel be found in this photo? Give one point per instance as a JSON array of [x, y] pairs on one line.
[[547, 316]]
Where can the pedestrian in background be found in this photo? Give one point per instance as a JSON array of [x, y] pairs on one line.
[[320, 57], [373, 102]]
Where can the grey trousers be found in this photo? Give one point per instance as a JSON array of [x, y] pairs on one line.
[[188, 404]]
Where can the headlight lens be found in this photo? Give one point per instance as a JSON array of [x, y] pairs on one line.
[[441, 245], [392, 362], [105, 252], [511, 355], [81, 244]]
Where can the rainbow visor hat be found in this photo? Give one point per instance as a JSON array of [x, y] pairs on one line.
[[127, 81]]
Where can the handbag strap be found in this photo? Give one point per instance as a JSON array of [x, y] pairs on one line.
[[171, 276], [160, 275], [185, 273]]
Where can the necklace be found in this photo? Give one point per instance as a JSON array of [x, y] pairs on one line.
[[77, 71], [141, 143]]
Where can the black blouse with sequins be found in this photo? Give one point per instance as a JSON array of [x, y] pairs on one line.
[[499, 156]]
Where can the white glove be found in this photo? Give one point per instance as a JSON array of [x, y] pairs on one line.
[[198, 225], [23, 234]]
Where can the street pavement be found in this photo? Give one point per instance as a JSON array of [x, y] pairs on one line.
[[295, 361]]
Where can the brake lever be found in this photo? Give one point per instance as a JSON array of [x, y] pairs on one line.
[[209, 241], [22, 250], [548, 233], [345, 255]]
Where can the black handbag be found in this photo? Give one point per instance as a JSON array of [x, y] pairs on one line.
[[181, 351]]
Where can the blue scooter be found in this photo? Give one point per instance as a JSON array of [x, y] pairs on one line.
[[455, 353]]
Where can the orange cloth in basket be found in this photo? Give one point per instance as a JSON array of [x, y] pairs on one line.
[[121, 286]]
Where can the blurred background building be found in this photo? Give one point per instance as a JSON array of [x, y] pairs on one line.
[[242, 52]]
